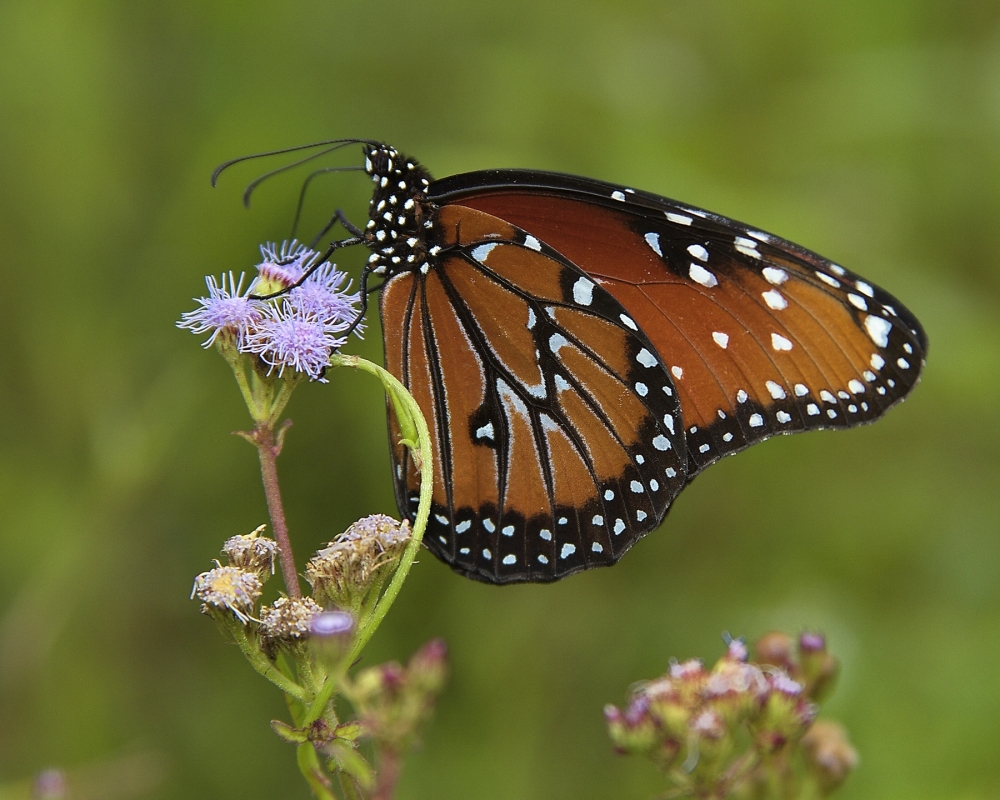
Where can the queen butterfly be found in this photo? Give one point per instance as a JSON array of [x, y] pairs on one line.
[[583, 350]]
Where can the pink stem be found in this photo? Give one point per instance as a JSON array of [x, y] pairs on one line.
[[263, 437]]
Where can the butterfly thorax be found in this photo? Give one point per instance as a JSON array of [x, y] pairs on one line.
[[400, 215]]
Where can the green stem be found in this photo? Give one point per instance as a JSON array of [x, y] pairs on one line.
[[417, 438], [311, 770], [260, 663]]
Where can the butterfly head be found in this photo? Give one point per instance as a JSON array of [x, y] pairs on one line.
[[398, 213]]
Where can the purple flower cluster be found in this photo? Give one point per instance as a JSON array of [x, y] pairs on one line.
[[298, 330]]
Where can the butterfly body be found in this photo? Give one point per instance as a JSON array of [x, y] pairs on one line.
[[582, 350]]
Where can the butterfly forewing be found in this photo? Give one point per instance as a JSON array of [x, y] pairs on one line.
[[761, 336], [556, 428]]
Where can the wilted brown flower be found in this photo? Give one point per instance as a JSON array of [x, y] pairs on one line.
[[227, 589], [357, 561]]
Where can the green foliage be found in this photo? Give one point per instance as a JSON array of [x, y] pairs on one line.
[[866, 131]]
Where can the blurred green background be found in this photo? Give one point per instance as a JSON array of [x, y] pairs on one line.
[[866, 131]]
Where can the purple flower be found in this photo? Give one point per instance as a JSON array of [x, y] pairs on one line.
[[227, 308], [302, 341], [321, 295]]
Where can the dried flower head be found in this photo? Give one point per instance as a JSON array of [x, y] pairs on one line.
[[253, 553], [287, 622], [357, 561], [227, 590]]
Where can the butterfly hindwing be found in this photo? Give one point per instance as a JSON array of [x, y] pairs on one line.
[[556, 427]]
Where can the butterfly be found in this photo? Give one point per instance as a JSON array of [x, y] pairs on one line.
[[582, 350]]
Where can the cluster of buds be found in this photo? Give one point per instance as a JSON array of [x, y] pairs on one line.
[[717, 731], [353, 567], [394, 701]]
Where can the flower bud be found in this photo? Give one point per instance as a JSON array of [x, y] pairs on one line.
[[226, 591], [331, 634], [786, 715], [253, 553], [828, 754], [777, 649], [735, 690], [357, 561], [428, 667], [819, 669], [287, 623], [634, 730]]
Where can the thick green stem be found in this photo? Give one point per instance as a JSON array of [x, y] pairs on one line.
[[311, 770]]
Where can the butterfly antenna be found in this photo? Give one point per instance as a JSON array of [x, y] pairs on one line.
[[339, 142], [302, 198]]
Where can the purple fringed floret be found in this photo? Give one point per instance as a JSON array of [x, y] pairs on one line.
[[299, 330], [227, 308]]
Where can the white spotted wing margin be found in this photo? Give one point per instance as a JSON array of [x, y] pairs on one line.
[[556, 428]]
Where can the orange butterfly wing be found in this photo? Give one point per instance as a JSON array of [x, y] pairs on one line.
[[761, 336], [556, 429]]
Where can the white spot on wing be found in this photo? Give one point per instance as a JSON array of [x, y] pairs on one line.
[[774, 276], [556, 341], [653, 240], [510, 559], [857, 301], [532, 243], [678, 373], [646, 358], [702, 276], [855, 386], [756, 420], [628, 322], [801, 390], [698, 252], [463, 526], [679, 219], [783, 416], [661, 443], [485, 432], [618, 196], [864, 288], [779, 342], [567, 550], [775, 390], [583, 291], [721, 339], [481, 252], [597, 547], [741, 396], [775, 300], [878, 329]]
